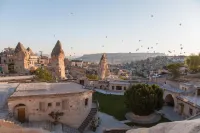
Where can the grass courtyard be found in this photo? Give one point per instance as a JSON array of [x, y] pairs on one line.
[[114, 105]]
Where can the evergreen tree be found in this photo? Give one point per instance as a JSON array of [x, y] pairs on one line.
[[143, 99]]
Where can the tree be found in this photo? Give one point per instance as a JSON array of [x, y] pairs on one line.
[[56, 115], [193, 63], [92, 76], [174, 70], [143, 99], [122, 77], [43, 74]]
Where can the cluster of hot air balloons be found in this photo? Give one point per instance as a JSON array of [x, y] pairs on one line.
[[141, 46]]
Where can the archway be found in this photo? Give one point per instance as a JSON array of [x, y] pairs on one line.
[[20, 112], [169, 100]]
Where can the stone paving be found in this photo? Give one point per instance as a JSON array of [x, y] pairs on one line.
[[170, 114], [152, 118], [108, 122]]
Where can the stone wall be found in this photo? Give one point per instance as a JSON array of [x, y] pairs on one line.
[[187, 106], [124, 87], [74, 114]]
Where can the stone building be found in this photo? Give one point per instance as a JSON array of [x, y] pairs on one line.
[[118, 85], [77, 63], [40, 101], [57, 61], [17, 60], [103, 70], [43, 60]]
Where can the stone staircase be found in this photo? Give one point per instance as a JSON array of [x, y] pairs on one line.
[[88, 119]]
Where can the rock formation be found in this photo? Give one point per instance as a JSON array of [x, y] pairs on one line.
[[21, 59], [188, 126], [57, 61], [30, 51], [10, 127], [103, 70]]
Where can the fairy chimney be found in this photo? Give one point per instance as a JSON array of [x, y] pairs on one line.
[[21, 59], [57, 61], [103, 70], [30, 51]]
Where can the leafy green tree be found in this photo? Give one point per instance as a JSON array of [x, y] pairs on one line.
[[123, 78], [174, 69], [92, 76], [42, 74], [193, 63], [143, 99]]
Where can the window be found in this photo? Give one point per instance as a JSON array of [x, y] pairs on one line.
[[118, 87], [191, 111], [124, 88], [113, 87], [57, 103], [65, 104], [86, 101], [49, 104], [198, 92], [42, 106]]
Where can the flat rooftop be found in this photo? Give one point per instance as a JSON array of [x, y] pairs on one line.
[[195, 101], [37, 89], [16, 78], [187, 84], [6, 86], [119, 82], [172, 89]]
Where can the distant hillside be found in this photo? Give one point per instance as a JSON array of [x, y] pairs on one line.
[[116, 58]]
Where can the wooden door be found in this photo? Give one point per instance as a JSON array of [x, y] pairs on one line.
[[21, 114]]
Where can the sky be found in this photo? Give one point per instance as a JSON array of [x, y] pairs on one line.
[[97, 26]]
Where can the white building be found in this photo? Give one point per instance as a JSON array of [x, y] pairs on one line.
[[77, 63], [185, 99], [118, 85], [189, 102], [38, 101], [33, 60]]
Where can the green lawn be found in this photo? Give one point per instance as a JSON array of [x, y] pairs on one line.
[[112, 105]]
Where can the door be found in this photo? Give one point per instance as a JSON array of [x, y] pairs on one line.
[[21, 114], [82, 82]]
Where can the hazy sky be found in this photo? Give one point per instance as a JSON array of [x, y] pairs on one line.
[[84, 25]]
